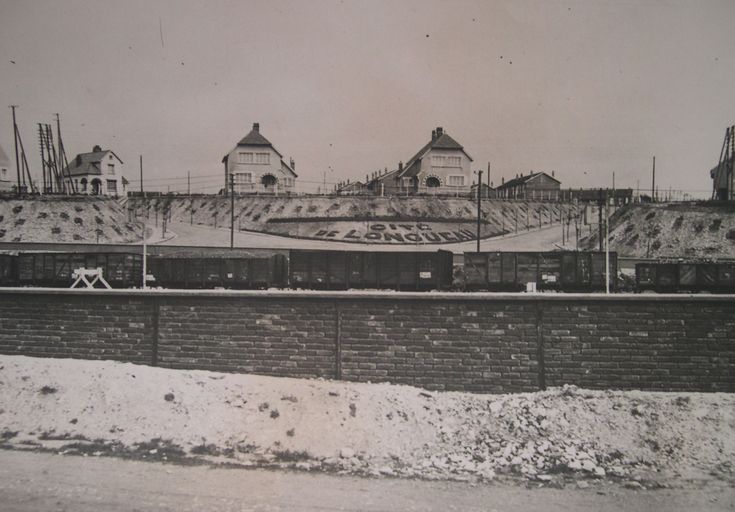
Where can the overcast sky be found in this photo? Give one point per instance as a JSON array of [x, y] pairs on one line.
[[582, 88]]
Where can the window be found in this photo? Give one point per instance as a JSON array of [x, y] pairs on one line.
[[243, 177], [407, 182], [111, 169], [268, 180], [446, 161], [456, 181], [433, 182], [244, 158], [262, 158], [112, 186]]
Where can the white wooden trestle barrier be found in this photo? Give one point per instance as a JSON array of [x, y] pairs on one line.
[[88, 276]]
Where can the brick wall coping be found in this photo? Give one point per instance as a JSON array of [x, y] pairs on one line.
[[379, 295]]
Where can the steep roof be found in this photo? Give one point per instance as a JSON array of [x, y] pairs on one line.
[[523, 179], [288, 167], [89, 163], [254, 138], [439, 140], [382, 177]]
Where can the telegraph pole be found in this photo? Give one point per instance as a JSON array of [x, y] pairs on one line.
[[653, 182], [15, 138], [188, 183], [599, 216], [232, 211], [479, 203], [141, 176]]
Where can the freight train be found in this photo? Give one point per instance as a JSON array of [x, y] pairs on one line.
[[203, 268]]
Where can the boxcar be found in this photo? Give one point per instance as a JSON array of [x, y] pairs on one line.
[[559, 270], [217, 271], [55, 269], [341, 270], [8, 269], [685, 277]]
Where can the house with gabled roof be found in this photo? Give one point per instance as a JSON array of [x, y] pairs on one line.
[[98, 172], [258, 167], [534, 186], [6, 178], [442, 166]]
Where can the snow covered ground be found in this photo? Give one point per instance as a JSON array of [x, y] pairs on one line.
[[107, 408]]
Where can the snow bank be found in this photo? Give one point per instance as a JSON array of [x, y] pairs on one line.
[[105, 408]]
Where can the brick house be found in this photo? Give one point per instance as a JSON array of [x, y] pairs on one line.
[[97, 173], [258, 167], [535, 186]]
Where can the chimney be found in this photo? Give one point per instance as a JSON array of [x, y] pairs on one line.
[[293, 165], [552, 174], [433, 134], [502, 181], [400, 166], [79, 160], [96, 149], [439, 131], [256, 127]]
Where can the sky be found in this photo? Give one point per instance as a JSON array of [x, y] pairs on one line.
[[582, 88]]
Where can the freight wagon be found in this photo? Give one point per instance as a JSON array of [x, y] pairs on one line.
[[567, 271], [55, 269], [257, 269], [340, 270], [686, 277]]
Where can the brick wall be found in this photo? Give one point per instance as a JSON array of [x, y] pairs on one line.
[[472, 342], [76, 325]]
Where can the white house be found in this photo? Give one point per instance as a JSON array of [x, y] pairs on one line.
[[441, 166], [6, 179], [98, 173], [258, 167]]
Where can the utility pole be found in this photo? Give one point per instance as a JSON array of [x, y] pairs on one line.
[[43, 155], [232, 211], [613, 190], [479, 203], [142, 194], [63, 162], [653, 182], [607, 248], [188, 183], [599, 216], [15, 138]]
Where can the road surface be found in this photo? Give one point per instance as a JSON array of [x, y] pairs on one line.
[[40, 482], [545, 239]]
